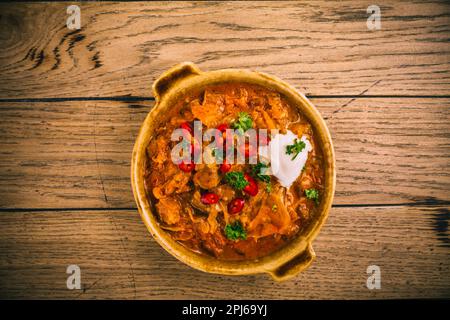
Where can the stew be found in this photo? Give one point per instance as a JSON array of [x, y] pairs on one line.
[[236, 211]]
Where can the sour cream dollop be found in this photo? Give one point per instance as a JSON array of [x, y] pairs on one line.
[[282, 165]]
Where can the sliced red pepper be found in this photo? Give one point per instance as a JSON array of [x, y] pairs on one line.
[[220, 138], [209, 198], [186, 166], [187, 126], [222, 127], [189, 135], [225, 167], [236, 205], [252, 187]]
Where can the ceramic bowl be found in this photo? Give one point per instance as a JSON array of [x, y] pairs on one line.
[[173, 85]]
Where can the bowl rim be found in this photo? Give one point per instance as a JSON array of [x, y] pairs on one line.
[[292, 255]]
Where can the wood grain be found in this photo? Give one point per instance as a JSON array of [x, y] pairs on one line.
[[318, 46], [65, 147], [77, 154], [119, 259], [69, 154]]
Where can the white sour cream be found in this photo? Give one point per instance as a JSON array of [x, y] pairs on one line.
[[282, 166]]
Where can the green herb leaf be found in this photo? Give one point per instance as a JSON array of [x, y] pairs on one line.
[[243, 122], [236, 180], [269, 187], [312, 194], [235, 231], [256, 172], [295, 148]]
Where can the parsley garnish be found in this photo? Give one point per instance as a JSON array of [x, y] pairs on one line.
[[256, 171], [295, 148], [243, 122], [269, 187], [312, 194], [235, 231], [236, 180]]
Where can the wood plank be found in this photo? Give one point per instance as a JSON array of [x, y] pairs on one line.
[[77, 154], [321, 47], [119, 259], [69, 154]]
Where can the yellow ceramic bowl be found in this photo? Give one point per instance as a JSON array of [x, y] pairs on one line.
[[282, 264]]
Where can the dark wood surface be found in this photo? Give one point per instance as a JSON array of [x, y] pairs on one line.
[[71, 103]]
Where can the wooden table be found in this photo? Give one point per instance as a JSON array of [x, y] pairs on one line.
[[72, 101]]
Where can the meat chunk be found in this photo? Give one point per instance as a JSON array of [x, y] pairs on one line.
[[278, 110], [301, 129], [225, 192], [158, 150], [207, 176], [273, 217], [237, 100], [269, 122], [213, 243], [197, 203], [169, 210], [178, 183], [210, 112]]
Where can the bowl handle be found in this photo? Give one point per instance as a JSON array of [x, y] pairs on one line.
[[173, 75], [297, 264]]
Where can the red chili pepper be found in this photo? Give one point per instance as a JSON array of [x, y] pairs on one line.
[[186, 167], [222, 127], [188, 127], [209, 198], [220, 138], [252, 187], [225, 167], [236, 205]]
